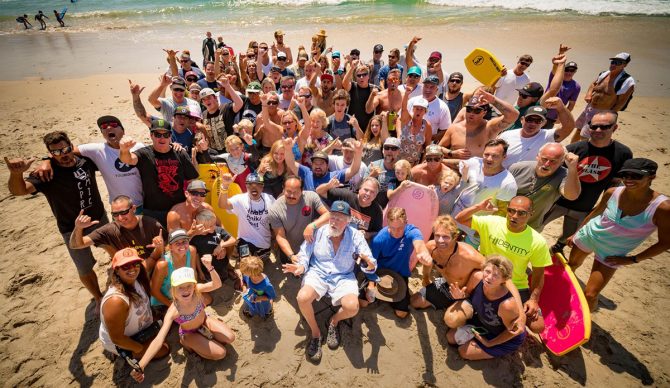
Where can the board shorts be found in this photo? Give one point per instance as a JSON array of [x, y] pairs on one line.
[[504, 348], [83, 258], [437, 293], [525, 296], [335, 288]]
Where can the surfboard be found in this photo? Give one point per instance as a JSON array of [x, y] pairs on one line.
[[228, 220], [421, 205], [62, 13], [484, 66], [567, 317]]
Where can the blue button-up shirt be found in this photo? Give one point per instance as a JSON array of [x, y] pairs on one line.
[[320, 255]]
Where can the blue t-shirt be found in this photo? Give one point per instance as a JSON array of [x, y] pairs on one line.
[[185, 139], [384, 72], [264, 288], [307, 178], [340, 175], [394, 253]]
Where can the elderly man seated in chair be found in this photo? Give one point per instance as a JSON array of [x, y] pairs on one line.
[[328, 267]]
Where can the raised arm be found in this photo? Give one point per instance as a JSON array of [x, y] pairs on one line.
[[556, 82], [465, 216], [373, 101], [125, 155], [500, 123], [172, 62], [409, 51], [291, 164], [356, 163], [77, 238], [165, 80], [564, 117], [226, 181], [16, 184], [138, 106], [215, 283], [573, 187], [346, 82]]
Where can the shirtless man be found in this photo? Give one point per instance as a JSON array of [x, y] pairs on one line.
[[182, 215], [280, 46], [389, 99], [264, 134], [465, 139], [428, 173], [602, 95], [322, 97]]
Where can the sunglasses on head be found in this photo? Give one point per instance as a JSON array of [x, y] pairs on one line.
[[390, 148], [61, 151], [164, 135], [602, 127], [110, 124], [129, 266], [524, 63], [534, 119], [519, 212], [633, 176], [121, 212], [202, 194], [474, 109]]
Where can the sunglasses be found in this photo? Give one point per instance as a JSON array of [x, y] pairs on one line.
[[534, 119], [61, 151], [306, 96], [391, 148], [164, 135], [254, 46], [362, 75], [378, 52], [456, 81], [632, 176], [285, 87], [519, 212], [202, 194], [191, 79], [178, 90], [433, 159], [602, 127], [524, 96], [393, 56], [121, 212], [225, 54], [184, 60], [617, 63], [570, 70], [413, 75], [472, 109], [273, 102], [524, 63], [111, 124], [129, 266], [180, 242], [287, 122]]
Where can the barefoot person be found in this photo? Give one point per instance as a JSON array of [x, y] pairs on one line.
[[207, 336], [622, 220]]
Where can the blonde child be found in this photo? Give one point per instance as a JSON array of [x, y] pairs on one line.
[[448, 190], [258, 299], [402, 180], [197, 332]]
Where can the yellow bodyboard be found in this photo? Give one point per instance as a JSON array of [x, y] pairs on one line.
[[484, 66], [208, 173], [228, 220]]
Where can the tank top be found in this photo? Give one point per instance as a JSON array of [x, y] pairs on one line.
[[165, 287], [411, 146], [487, 310], [454, 105], [139, 315]]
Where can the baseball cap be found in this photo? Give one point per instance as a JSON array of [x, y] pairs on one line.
[[348, 143], [206, 92], [532, 89], [195, 114], [320, 155], [185, 56], [355, 52], [341, 207], [109, 119], [178, 234], [336, 54], [436, 54], [473, 101], [276, 69], [181, 276], [640, 166], [254, 87], [160, 125], [431, 79], [178, 83], [190, 73], [195, 87], [125, 256], [570, 65], [621, 56], [536, 111], [182, 111], [279, 33], [434, 149], [455, 75], [326, 76], [196, 184], [378, 48], [281, 54], [421, 102], [254, 178], [303, 55], [392, 141], [414, 70]]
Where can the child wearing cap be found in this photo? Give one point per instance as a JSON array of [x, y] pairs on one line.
[[260, 294], [188, 311]]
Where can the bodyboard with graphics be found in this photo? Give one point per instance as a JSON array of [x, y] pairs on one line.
[[228, 220], [62, 12], [484, 66], [422, 207], [208, 174], [567, 317]]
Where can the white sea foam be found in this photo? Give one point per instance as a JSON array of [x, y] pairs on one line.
[[589, 7]]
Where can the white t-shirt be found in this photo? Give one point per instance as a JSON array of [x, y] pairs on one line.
[[252, 218], [506, 88], [479, 187], [525, 148], [418, 90], [336, 163], [438, 113], [304, 82], [120, 178]]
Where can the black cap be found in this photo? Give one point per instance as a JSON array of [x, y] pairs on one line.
[[182, 110], [640, 166], [355, 52], [160, 125], [455, 75], [320, 155], [378, 48], [533, 89], [431, 79], [109, 119], [178, 83], [536, 111], [571, 65]]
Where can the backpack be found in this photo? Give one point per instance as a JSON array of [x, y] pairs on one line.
[[624, 76]]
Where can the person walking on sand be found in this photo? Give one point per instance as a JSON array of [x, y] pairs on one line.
[[40, 18]]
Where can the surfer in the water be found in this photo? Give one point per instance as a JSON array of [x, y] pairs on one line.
[[59, 19], [40, 18], [24, 19]]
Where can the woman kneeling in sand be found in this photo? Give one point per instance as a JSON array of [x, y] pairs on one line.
[[206, 337], [492, 310]]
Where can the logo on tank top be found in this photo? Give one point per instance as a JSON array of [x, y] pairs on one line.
[[594, 169], [123, 167]]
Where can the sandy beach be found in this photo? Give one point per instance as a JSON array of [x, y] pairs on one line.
[[47, 340]]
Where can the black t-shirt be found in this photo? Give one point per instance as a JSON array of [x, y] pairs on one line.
[[206, 84], [164, 177], [597, 167], [249, 111], [359, 97], [205, 244], [369, 219], [71, 190], [138, 238]]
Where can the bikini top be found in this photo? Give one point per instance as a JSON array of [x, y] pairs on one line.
[[183, 318]]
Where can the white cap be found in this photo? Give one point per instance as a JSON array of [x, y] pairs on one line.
[[206, 92], [422, 102], [281, 54], [181, 276]]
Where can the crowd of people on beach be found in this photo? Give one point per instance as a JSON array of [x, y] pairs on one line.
[[312, 145]]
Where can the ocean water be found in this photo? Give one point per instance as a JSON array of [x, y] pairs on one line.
[[92, 15]]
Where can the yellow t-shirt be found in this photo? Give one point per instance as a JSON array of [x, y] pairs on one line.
[[520, 248]]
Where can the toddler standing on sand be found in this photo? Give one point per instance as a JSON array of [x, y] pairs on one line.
[[260, 293]]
